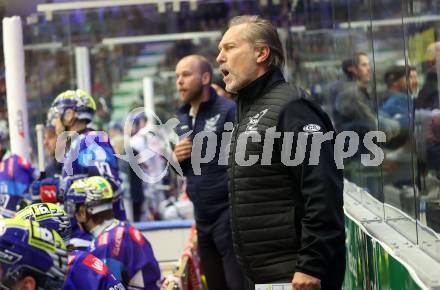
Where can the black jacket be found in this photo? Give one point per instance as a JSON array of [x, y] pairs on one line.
[[209, 190], [284, 218]]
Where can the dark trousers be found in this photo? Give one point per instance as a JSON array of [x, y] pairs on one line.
[[217, 255]]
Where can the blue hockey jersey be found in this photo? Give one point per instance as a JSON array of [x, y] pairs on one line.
[[85, 271], [129, 255], [91, 154]]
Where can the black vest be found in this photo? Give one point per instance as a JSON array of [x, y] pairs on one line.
[[264, 212]]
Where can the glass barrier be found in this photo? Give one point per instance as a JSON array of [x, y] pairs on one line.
[[393, 101], [334, 62], [422, 45]]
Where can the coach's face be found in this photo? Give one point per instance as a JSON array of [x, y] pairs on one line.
[[240, 63]]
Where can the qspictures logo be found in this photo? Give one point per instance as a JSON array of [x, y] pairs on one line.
[[160, 138]]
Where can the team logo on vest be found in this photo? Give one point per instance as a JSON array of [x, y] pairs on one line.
[[211, 123], [311, 128], [254, 120]]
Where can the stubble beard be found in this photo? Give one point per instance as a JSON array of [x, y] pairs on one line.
[[193, 96], [232, 86]]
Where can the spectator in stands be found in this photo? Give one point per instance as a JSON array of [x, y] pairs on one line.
[[413, 82], [204, 110], [428, 97], [332, 89], [353, 106], [136, 185], [397, 105]]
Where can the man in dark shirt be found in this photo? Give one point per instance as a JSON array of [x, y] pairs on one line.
[[207, 113], [287, 219]]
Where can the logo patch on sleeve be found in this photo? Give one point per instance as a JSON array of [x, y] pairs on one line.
[[96, 265], [136, 235]]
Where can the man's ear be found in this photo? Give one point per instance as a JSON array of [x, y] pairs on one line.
[[262, 54], [27, 283], [206, 78]]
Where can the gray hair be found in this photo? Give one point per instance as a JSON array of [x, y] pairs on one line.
[[261, 33]]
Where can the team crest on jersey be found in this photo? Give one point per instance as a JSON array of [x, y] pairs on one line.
[[252, 126], [96, 265], [211, 123], [136, 235]]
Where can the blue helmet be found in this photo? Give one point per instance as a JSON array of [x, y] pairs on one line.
[[94, 192], [48, 215], [81, 102], [28, 249]]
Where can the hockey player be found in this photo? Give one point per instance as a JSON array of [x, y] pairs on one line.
[[126, 252], [32, 257], [89, 153], [16, 174], [85, 271], [48, 215]]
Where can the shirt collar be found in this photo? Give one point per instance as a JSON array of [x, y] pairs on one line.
[[261, 85], [105, 226]]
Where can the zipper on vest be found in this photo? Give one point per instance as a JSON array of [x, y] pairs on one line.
[[232, 160]]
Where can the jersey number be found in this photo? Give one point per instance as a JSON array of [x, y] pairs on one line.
[[104, 169]]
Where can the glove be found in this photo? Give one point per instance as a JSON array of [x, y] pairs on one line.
[[45, 190]]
